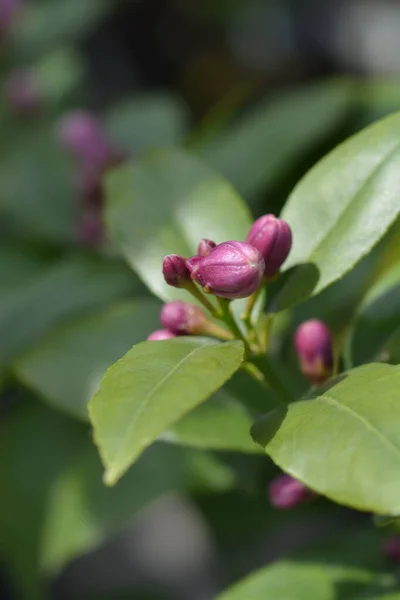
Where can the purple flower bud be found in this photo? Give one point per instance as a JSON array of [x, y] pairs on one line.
[[182, 318], [231, 270], [313, 344], [273, 238], [391, 549], [22, 93], [192, 262], [285, 492], [82, 135], [8, 9], [175, 271], [205, 246], [161, 334]]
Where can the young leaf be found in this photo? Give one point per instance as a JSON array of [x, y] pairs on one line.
[[151, 388], [344, 441], [345, 204]]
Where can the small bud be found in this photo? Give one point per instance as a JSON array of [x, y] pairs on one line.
[[161, 334], [391, 549], [22, 93], [273, 238], [285, 492], [183, 318], [231, 270], [175, 271], [205, 246], [313, 344], [192, 262], [8, 10], [82, 135]]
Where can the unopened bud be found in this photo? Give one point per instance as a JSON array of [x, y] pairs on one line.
[[391, 549], [314, 347], [161, 334], [205, 246], [273, 238], [285, 492], [183, 318], [22, 93], [231, 270], [175, 271], [8, 10]]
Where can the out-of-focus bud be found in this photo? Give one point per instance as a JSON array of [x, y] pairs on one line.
[[90, 230], [161, 334], [8, 9], [83, 136], [183, 318], [314, 347], [391, 549], [231, 270], [273, 238], [205, 246], [285, 492], [175, 271], [22, 93]]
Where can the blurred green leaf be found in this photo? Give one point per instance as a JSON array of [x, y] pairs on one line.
[[57, 291], [324, 574], [343, 442], [58, 73], [258, 150], [151, 388], [345, 204], [86, 347], [148, 122]]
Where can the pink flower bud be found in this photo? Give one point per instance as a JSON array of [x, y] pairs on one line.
[[83, 136], [391, 549], [182, 318], [175, 271], [231, 270], [8, 9], [205, 246], [285, 492], [22, 93], [161, 334], [273, 238], [313, 344]]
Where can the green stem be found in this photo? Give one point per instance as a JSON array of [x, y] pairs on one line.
[[194, 290], [250, 304], [263, 366], [229, 319], [215, 330]]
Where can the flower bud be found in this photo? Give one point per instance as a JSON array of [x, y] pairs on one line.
[[82, 135], [285, 492], [8, 9], [273, 238], [161, 334], [313, 344], [183, 318], [175, 271], [205, 246], [231, 270], [22, 93], [391, 549]]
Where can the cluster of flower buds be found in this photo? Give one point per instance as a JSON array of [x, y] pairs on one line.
[[83, 136], [22, 93], [314, 348], [285, 492]]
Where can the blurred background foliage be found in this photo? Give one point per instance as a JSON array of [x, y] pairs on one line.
[[259, 90]]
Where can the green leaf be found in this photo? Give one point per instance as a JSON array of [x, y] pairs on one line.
[[338, 572], [62, 289], [86, 347], [148, 121], [164, 203], [345, 204], [258, 150], [344, 441], [151, 388]]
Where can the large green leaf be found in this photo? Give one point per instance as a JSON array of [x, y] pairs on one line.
[[345, 204], [29, 307], [324, 574], [345, 441], [164, 203], [86, 347], [261, 147], [147, 122], [150, 389]]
